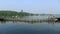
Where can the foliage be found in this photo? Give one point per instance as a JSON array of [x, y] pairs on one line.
[[14, 13]]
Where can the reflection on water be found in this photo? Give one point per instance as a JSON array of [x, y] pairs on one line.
[[15, 27], [4, 22]]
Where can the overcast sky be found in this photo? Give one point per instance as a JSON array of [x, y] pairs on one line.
[[32, 6]]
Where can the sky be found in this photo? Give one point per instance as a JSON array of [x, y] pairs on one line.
[[32, 6]]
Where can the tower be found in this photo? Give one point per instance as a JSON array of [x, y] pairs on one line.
[[21, 10]]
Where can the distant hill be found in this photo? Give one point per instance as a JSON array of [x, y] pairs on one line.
[[8, 13], [14, 13]]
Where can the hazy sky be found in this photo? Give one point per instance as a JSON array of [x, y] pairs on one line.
[[32, 6]]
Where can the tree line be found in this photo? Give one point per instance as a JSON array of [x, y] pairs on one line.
[[14, 13]]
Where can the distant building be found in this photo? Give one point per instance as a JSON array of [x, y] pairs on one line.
[[21, 10]]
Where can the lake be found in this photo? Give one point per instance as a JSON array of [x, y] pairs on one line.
[[15, 27]]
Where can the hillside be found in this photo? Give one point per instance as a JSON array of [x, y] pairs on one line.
[[14, 13]]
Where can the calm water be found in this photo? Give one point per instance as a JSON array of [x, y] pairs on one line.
[[10, 27]]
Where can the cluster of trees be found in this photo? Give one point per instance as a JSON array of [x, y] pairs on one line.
[[8, 13], [14, 13]]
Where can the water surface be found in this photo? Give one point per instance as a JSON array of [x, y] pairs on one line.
[[13, 27]]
